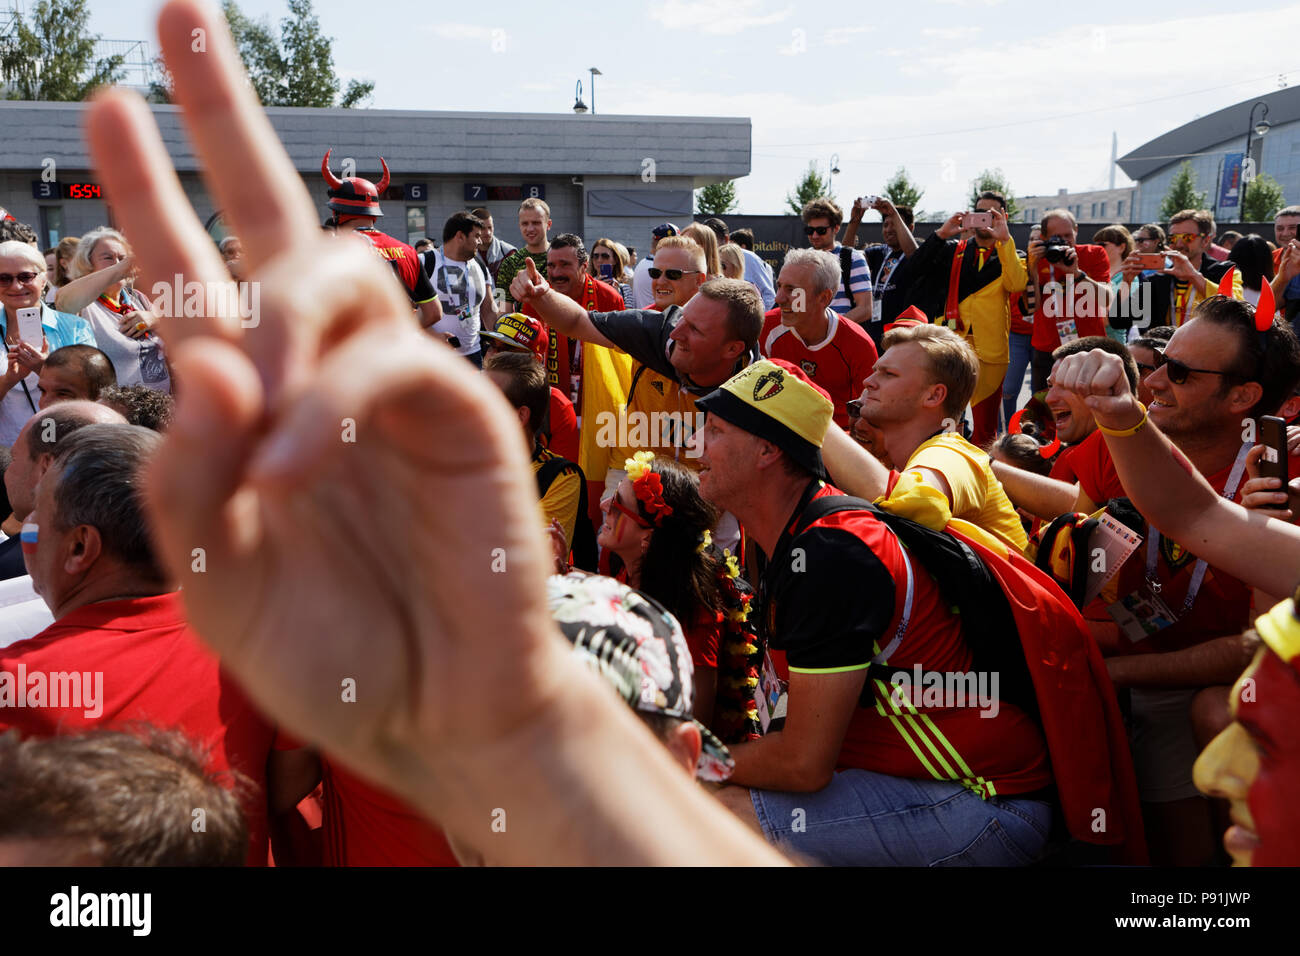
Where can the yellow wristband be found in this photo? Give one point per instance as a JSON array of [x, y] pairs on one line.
[[1125, 432]]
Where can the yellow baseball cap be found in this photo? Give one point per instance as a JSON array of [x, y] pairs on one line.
[[776, 401]]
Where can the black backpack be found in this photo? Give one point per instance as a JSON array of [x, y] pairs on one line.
[[967, 587], [585, 554]]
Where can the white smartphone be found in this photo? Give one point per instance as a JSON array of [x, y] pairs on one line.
[[29, 326]]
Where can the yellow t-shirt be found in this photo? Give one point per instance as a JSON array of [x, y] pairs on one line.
[[979, 504], [561, 498]]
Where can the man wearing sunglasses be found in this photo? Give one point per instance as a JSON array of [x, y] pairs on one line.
[[1192, 277], [642, 295], [1215, 373], [822, 219]]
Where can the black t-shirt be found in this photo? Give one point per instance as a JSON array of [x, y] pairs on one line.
[[893, 294], [828, 613], [643, 334]]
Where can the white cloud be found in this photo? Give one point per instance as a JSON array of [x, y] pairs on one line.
[[951, 33], [716, 17], [459, 31], [837, 36]]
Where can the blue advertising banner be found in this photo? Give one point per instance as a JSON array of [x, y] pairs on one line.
[[1230, 188]]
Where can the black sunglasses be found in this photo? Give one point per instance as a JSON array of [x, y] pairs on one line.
[[854, 407], [819, 230], [7, 279], [673, 274], [1178, 371]]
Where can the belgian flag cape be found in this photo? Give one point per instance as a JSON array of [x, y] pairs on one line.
[[1077, 707]]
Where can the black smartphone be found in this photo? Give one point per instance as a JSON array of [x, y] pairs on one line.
[[606, 270], [1272, 435]]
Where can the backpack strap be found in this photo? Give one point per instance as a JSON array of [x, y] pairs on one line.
[[551, 470], [820, 508], [846, 271]]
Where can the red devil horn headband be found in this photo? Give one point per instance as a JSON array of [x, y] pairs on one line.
[[333, 181]]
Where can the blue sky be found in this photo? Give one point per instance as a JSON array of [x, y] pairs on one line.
[[942, 87]]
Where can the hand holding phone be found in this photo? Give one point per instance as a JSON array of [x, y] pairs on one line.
[[29, 326], [1273, 464], [1153, 260]]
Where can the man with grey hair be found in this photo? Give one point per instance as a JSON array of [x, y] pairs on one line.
[[34, 449], [805, 331], [120, 649], [1286, 262]]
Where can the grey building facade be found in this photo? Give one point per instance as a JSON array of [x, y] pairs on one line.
[[615, 176], [1098, 206], [1207, 141]]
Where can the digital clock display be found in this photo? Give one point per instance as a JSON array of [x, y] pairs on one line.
[[55, 190]]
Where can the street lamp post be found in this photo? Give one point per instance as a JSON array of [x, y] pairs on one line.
[[594, 73], [578, 105], [835, 168], [1249, 171]]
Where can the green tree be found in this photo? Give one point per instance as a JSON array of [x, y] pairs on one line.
[[810, 187], [295, 68], [1182, 193], [901, 191], [993, 180], [1262, 200], [716, 199], [53, 58]]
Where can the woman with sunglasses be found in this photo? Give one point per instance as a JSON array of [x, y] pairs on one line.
[[22, 285], [658, 526], [607, 264], [121, 317]]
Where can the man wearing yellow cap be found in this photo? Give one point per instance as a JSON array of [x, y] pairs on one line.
[[862, 773]]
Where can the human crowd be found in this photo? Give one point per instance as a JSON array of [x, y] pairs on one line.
[[362, 597]]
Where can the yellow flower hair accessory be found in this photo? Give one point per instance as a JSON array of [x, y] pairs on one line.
[[638, 465], [706, 541]]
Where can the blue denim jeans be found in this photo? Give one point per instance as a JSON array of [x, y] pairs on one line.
[[1015, 380], [869, 819]]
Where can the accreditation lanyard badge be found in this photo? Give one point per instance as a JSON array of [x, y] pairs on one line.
[[1145, 611]]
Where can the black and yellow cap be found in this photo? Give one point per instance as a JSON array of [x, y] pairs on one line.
[[776, 401]]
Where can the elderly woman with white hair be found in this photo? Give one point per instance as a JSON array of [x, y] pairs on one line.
[[22, 286], [121, 317]]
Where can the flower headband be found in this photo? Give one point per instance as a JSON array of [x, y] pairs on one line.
[[648, 486]]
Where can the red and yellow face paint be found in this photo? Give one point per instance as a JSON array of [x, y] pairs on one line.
[[1255, 762]]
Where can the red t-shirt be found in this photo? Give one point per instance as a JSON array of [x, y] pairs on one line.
[[564, 426], [405, 262], [1089, 463], [845, 604], [1019, 324], [840, 363], [155, 671], [366, 826], [703, 637], [1222, 605], [1089, 318], [595, 297]]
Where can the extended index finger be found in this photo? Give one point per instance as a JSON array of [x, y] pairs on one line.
[[246, 167]]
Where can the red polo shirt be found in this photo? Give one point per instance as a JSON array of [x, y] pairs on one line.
[[366, 826], [1089, 318], [155, 671]]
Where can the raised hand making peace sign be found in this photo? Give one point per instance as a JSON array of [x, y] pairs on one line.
[[343, 499]]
